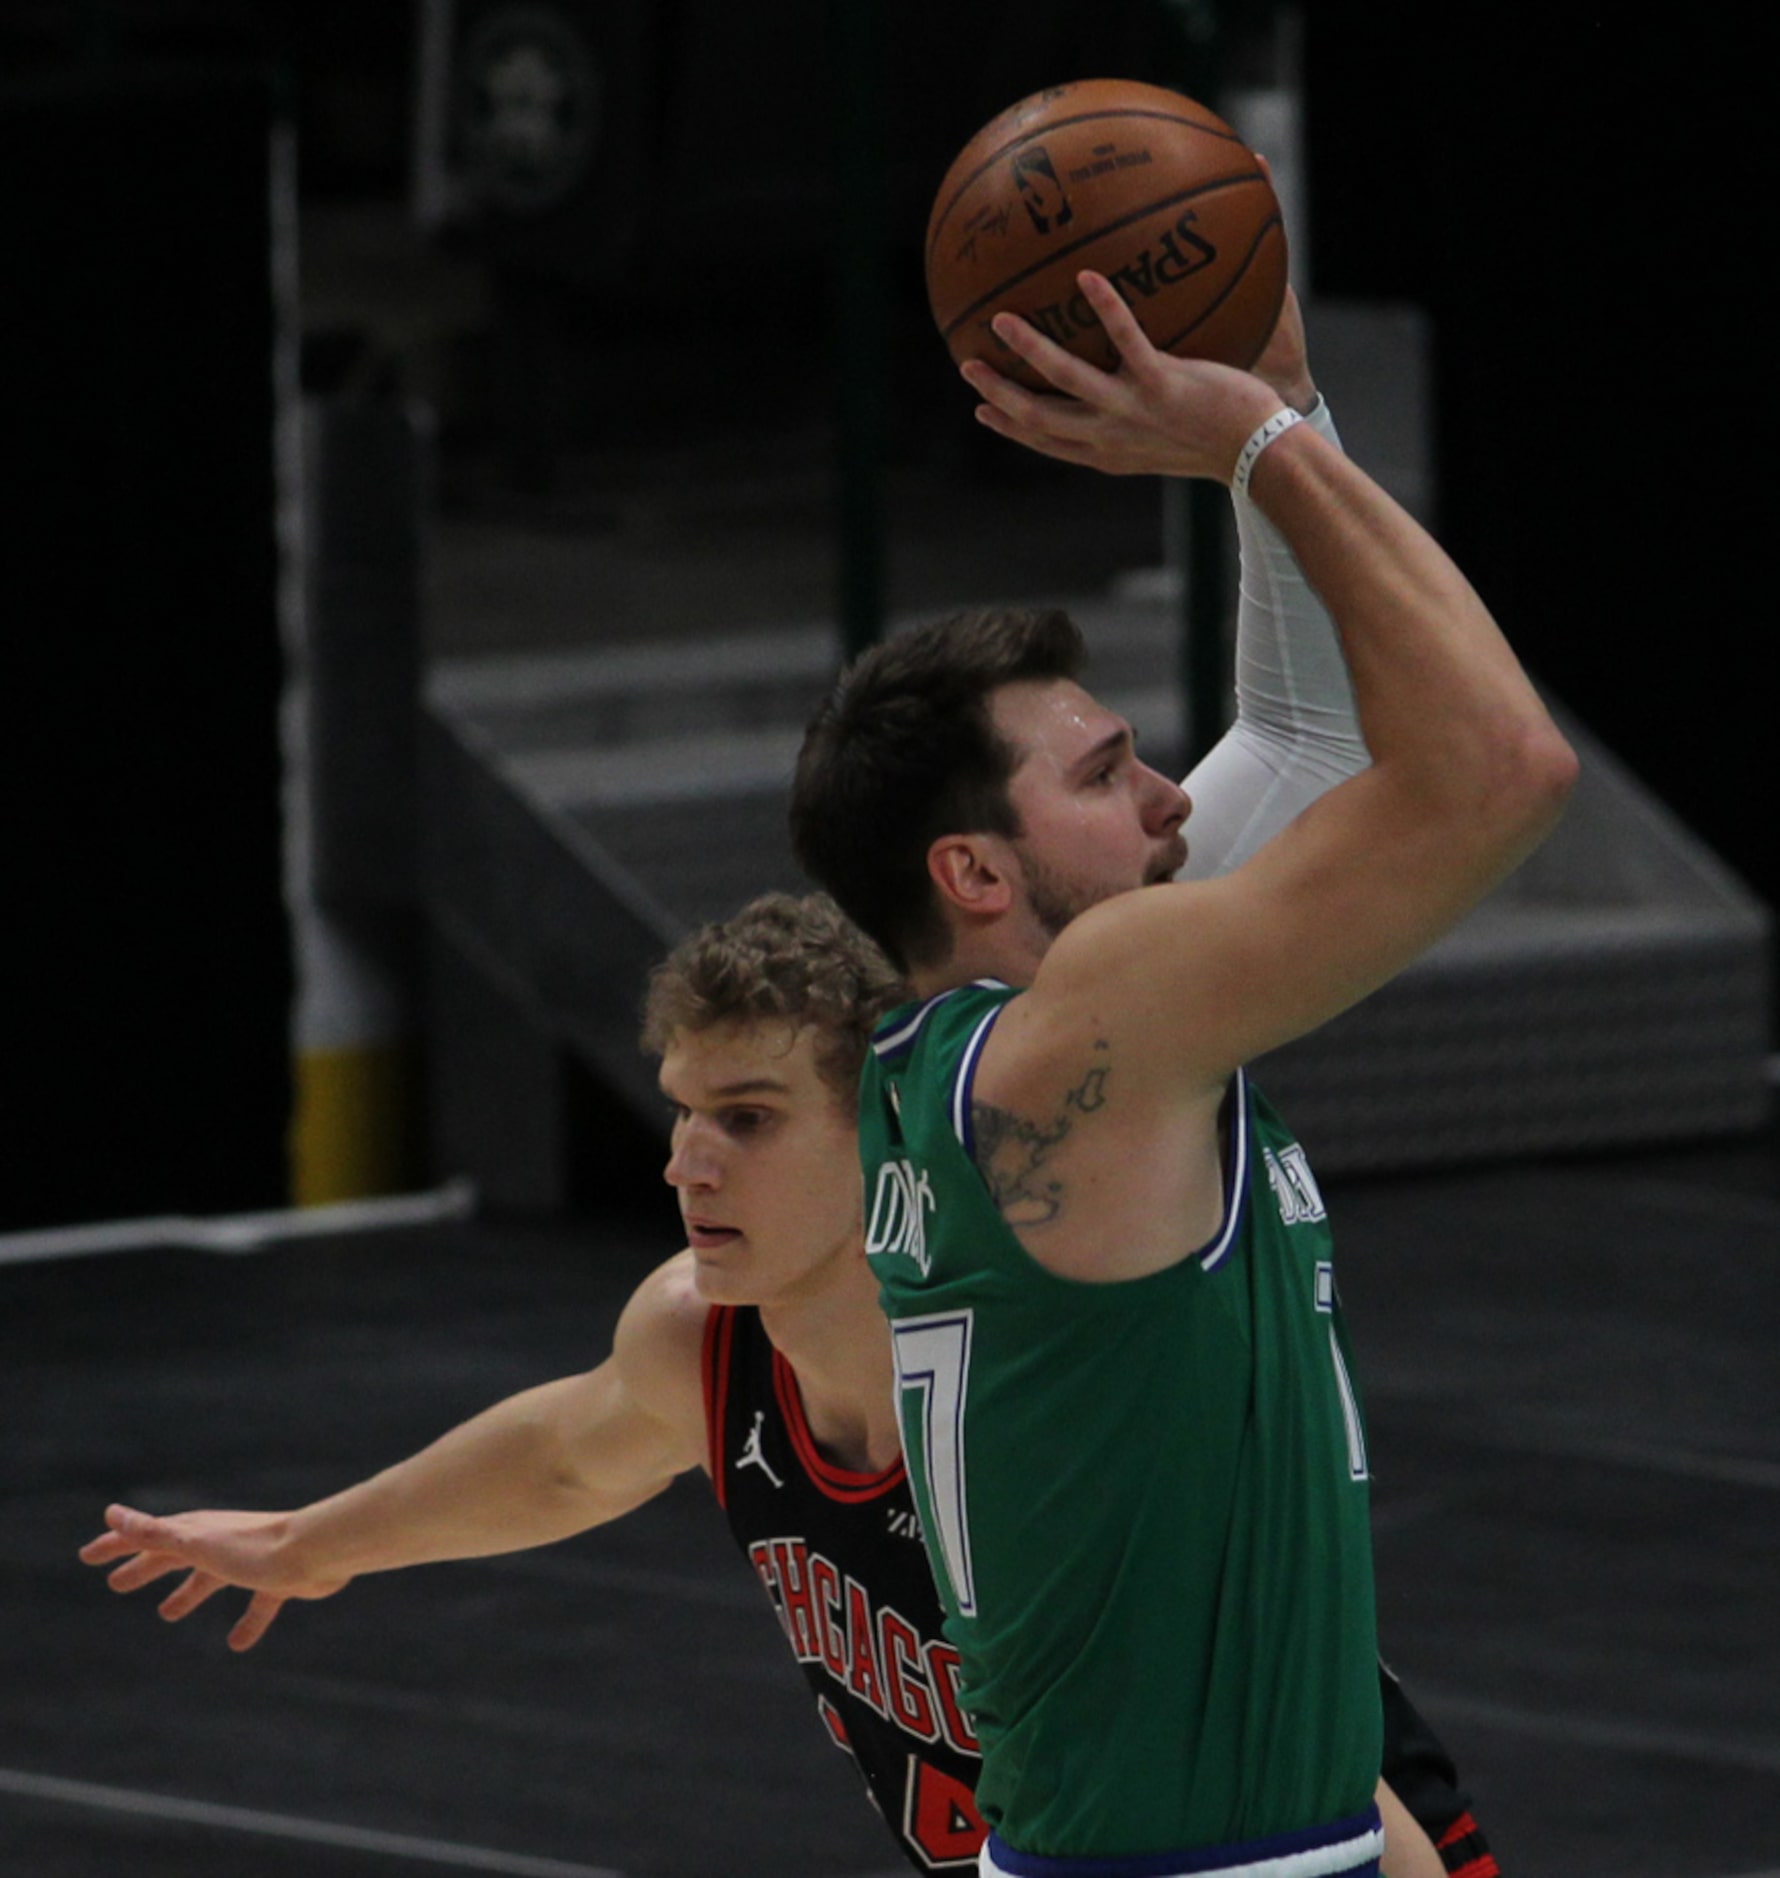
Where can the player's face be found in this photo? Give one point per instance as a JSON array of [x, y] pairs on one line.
[[764, 1161], [1094, 820]]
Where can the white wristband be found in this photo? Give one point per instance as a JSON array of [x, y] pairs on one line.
[[1275, 427]]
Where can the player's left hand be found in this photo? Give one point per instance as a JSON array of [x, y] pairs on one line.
[[1155, 416], [1285, 362], [1285, 359]]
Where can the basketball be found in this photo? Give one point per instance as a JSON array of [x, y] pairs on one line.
[[1140, 184]]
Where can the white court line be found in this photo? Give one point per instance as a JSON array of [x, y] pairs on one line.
[[284, 1826], [1524, 1434], [240, 1232]]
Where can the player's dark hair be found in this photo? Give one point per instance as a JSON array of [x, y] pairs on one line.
[[800, 960], [904, 751]]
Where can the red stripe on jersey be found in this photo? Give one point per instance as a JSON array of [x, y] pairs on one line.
[[719, 1335], [839, 1483], [1463, 1841], [831, 1720]]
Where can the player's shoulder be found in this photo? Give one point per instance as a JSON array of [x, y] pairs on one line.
[[1079, 962], [659, 1345], [1139, 974], [932, 1029]]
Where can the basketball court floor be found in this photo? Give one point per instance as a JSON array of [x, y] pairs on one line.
[[1575, 1421]]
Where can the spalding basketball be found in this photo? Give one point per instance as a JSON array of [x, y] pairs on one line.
[[1140, 184]]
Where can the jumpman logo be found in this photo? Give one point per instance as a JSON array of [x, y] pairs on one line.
[[751, 1454]]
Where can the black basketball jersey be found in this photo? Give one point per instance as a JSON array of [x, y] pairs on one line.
[[841, 1558]]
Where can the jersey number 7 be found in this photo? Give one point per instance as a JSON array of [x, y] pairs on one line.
[[932, 1379]]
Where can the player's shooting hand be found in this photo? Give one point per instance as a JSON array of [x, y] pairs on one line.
[[215, 1550], [1156, 415]]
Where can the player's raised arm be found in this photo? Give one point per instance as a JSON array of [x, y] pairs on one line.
[[1296, 732], [1468, 771], [537, 1467]]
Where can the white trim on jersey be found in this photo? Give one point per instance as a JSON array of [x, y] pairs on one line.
[[961, 1085], [1356, 1849], [1213, 1254], [889, 1042]]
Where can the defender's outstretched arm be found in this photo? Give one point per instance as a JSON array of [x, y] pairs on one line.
[[535, 1468]]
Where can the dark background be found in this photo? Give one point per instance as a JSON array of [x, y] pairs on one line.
[[1571, 200], [1577, 203]]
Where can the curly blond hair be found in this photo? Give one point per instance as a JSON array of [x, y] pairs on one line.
[[796, 959]]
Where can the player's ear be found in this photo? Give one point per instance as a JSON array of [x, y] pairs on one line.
[[970, 874]]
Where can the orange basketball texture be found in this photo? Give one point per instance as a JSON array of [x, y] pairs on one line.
[[1144, 186]]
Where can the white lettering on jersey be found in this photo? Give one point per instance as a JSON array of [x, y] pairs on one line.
[[899, 1212], [1325, 1285], [1294, 1185], [1357, 1466]]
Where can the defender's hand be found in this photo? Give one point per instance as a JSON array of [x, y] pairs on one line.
[[215, 1550], [1156, 415]]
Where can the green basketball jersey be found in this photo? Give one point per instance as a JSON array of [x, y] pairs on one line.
[[1145, 1502]]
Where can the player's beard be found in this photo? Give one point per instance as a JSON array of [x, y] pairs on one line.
[[1054, 898]]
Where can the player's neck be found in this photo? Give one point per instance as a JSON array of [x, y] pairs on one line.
[[837, 1342], [1009, 950]]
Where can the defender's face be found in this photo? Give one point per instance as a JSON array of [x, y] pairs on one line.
[[765, 1163], [1095, 820]]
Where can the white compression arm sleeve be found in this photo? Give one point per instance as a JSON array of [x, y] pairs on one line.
[[1296, 732]]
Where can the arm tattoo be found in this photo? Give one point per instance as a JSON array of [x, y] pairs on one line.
[[1011, 1153], [1011, 1150]]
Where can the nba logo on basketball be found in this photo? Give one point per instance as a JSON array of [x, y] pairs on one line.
[[1040, 190]]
